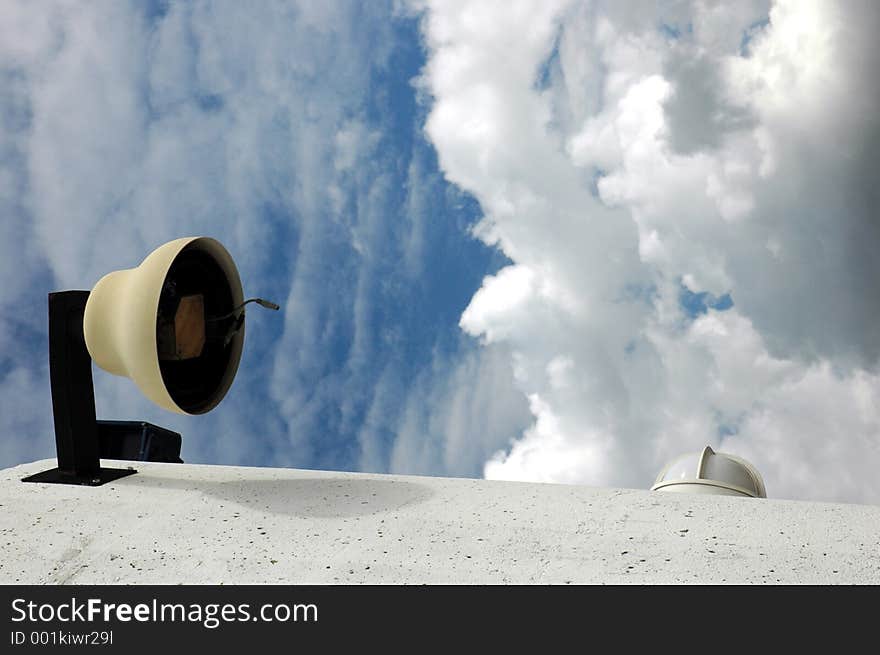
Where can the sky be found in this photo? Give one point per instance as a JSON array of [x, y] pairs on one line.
[[551, 241]]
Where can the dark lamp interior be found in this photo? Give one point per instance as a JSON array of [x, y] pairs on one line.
[[193, 351]]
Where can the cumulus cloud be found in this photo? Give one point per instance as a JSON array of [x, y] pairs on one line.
[[629, 160]]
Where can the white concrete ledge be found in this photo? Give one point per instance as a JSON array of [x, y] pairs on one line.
[[181, 523]]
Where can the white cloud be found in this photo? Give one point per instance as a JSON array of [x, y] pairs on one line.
[[459, 414], [614, 161]]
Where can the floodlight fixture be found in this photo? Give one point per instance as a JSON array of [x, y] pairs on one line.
[[174, 325]]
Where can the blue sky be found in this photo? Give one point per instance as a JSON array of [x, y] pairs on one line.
[[381, 289], [562, 241]]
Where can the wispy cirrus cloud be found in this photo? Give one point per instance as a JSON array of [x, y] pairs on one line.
[[290, 132]]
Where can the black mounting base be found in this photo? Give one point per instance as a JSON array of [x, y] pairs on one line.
[[57, 476]]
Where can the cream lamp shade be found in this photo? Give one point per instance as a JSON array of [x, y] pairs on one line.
[[170, 324]]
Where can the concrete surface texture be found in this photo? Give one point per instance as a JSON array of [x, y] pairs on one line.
[[179, 523]]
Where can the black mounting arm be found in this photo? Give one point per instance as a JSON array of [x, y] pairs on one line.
[[73, 398]]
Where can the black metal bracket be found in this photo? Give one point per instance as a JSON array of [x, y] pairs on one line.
[[139, 441], [73, 398]]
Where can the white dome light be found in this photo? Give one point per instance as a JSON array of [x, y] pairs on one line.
[[708, 472]]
